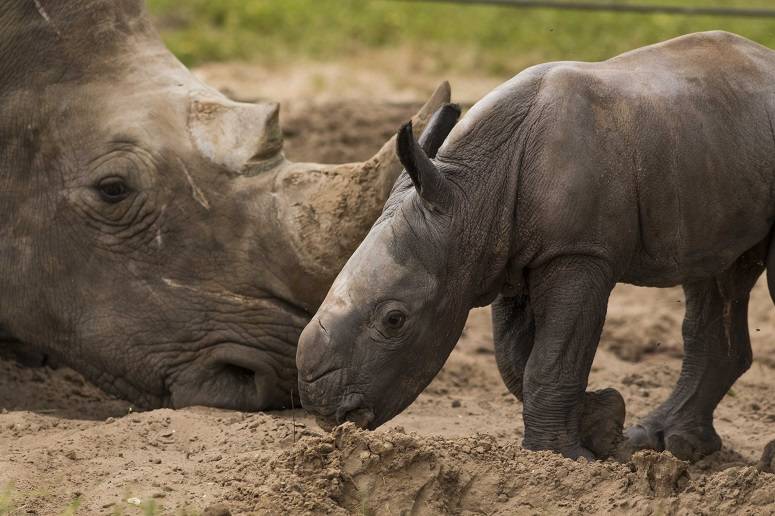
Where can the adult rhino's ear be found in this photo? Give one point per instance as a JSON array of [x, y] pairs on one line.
[[430, 183], [439, 127]]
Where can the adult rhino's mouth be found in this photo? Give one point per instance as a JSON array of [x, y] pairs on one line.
[[236, 377]]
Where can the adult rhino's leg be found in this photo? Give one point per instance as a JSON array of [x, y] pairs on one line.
[[569, 297], [717, 350], [514, 333]]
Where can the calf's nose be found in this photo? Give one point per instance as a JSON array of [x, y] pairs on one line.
[[312, 351]]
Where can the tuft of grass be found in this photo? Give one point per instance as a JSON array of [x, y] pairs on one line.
[[72, 508], [464, 37], [7, 495], [150, 508]]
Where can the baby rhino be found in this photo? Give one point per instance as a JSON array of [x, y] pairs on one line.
[[654, 168]]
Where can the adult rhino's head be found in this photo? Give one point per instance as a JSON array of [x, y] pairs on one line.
[[394, 313], [152, 234]]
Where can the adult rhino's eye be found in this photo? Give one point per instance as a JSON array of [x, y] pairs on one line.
[[394, 320], [113, 190]]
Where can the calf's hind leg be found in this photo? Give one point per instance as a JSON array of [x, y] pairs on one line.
[[513, 333], [717, 351]]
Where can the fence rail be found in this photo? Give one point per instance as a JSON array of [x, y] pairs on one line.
[[616, 7]]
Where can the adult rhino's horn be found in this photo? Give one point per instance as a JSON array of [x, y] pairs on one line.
[[326, 210], [244, 138]]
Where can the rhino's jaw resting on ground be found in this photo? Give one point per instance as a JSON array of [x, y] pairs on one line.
[[152, 235]]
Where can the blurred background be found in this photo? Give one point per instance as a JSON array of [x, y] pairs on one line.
[[397, 49]]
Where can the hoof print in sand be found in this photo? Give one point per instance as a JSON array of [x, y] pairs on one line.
[[602, 422], [660, 473], [767, 462]]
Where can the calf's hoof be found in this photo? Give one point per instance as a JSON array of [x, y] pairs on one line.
[[685, 443], [602, 422], [692, 446], [601, 426]]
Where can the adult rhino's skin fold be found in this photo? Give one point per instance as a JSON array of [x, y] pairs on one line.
[[152, 234], [655, 168]]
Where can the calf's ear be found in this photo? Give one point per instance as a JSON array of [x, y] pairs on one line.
[[429, 182], [439, 127]]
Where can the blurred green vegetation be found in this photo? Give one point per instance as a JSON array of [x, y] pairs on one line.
[[491, 39]]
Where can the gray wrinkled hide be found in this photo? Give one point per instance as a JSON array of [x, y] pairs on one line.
[[195, 287]]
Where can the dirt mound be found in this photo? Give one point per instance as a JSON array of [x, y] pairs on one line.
[[352, 471], [355, 472]]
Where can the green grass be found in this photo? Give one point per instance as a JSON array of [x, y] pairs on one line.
[[7, 504], [454, 36]]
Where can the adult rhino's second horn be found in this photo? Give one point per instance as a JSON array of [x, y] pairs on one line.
[[329, 209]]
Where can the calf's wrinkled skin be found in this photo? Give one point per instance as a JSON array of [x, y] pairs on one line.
[[654, 168], [152, 234]]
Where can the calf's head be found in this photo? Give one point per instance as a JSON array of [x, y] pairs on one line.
[[397, 308]]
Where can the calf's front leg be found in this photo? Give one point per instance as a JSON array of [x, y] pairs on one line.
[[569, 297]]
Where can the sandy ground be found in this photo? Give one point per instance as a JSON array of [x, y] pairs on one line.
[[64, 445]]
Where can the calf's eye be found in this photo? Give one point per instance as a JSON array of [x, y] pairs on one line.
[[394, 320], [113, 190]]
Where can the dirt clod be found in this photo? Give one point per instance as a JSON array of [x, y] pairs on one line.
[[660, 474], [217, 509]]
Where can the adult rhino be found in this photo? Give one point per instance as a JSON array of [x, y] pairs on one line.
[[152, 234], [654, 168]]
